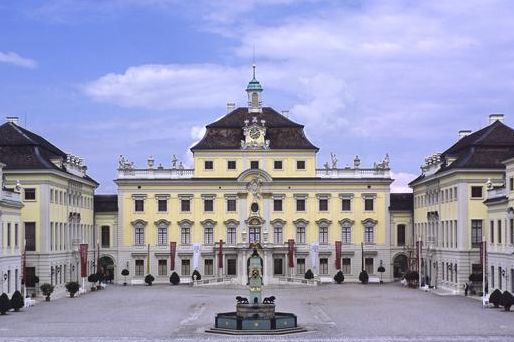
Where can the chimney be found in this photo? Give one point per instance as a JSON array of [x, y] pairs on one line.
[[495, 117], [12, 119], [285, 113], [464, 133], [230, 106]]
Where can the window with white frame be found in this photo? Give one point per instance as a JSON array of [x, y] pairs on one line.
[[369, 232], [323, 233], [231, 233], [140, 268], [323, 266], [185, 233], [347, 266], [208, 267], [300, 266], [300, 232], [162, 234], [208, 233], [139, 234], [346, 232], [278, 236], [162, 267]]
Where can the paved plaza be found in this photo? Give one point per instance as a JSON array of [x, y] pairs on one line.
[[329, 312]]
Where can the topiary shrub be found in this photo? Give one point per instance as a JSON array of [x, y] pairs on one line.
[[412, 278], [174, 278], [363, 277], [5, 304], [17, 301], [495, 298], [309, 274], [125, 273], [93, 278], [72, 287], [149, 279], [507, 300], [47, 290], [339, 277], [197, 274]]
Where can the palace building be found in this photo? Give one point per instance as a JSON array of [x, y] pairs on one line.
[[57, 213], [254, 179], [451, 207]]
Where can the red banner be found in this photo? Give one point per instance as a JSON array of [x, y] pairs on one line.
[[338, 255], [220, 255], [173, 250], [83, 259], [290, 252]]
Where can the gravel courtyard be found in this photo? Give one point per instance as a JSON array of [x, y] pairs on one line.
[[329, 312]]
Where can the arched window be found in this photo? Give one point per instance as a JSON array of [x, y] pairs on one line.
[[208, 233], [323, 231], [278, 234], [369, 231], [231, 233], [346, 230], [185, 233], [139, 234], [255, 100], [162, 234], [301, 226]]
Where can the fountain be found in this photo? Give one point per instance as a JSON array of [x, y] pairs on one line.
[[255, 316]]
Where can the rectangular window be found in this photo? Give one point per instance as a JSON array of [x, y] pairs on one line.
[[231, 267], [511, 228], [346, 204], [347, 266], [208, 267], [323, 266], [476, 192], [300, 164], [347, 234], [323, 204], [208, 205], [186, 267], [185, 205], [162, 236], [277, 205], [208, 165], [499, 231], [231, 164], [162, 205], [16, 238], [476, 233], [300, 204], [278, 266], [106, 237], [369, 234], [231, 204], [277, 164], [278, 237], [368, 204], [323, 235], [162, 267], [300, 234], [491, 230], [139, 238], [254, 164], [254, 234], [30, 194], [140, 268], [401, 235], [208, 235], [300, 266], [30, 236], [8, 235], [368, 262], [511, 184], [139, 205], [231, 235], [185, 235]]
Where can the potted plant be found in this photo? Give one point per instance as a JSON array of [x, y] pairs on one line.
[[339, 277], [47, 290], [381, 269], [174, 278], [309, 274], [17, 301], [92, 278], [72, 287], [125, 273], [196, 275], [149, 279], [507, 300], [5, 304], [495, 298], [363, 277]]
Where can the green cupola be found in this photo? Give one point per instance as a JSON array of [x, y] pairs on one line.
[[254, 90]]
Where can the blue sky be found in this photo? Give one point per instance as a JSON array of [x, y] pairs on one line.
[[142, 77]]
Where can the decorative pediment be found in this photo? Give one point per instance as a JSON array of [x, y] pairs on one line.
[[254, 221], [208, 222], [368, 221], [231, 222], [346, 221], [139, 222], [278, 221], [251, 174], [185, 222], [323, 221], [300, 221], [162, 221]]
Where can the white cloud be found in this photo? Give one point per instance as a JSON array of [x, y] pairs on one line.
[[15, 59], [169, 86], [401, 181]]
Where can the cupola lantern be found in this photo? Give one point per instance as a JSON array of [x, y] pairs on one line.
[[254, 91]]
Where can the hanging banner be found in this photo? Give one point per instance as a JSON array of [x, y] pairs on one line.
[[83, 259], [196, 255], [290, 253], [173, 250], [220, 255], [314, 257], [338, 255]]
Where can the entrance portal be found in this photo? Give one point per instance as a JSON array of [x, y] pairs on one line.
[[399, 265], [107, 268]]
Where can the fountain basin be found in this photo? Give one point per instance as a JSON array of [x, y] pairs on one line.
[[234, 324]]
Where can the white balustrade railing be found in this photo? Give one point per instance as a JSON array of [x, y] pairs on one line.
[[155, 173], [353, 173]]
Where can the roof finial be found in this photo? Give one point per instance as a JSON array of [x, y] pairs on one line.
[[253, 66]]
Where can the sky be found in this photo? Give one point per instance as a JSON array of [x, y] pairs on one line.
[[143, 77]]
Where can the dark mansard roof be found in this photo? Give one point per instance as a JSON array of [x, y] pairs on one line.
[[227, 132], [401, 201], [106, 203]]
